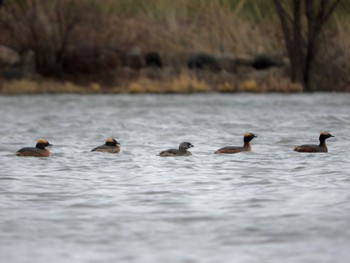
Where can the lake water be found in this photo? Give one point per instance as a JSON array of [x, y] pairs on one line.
[[270, 205]]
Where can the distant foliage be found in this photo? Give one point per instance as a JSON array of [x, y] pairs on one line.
[[117, 43]]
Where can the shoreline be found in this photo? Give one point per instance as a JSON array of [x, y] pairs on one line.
[[185, 83]]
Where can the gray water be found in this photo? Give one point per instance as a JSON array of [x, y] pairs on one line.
[[270, 205]]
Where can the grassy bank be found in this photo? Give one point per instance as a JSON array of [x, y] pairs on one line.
[[101, 44], [183, 83]]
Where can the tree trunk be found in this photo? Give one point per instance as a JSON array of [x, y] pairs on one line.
[[302, 51]]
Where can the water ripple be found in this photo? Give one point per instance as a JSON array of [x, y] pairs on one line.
[[79, 206]]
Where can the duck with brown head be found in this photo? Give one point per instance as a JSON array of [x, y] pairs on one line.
[[247, 137], [110, 146], [182, 151], [313, 148], [38, 151]]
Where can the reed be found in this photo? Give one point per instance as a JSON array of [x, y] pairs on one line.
[[26, 86], [184, 83]]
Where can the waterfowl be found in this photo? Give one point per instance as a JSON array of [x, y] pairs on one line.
[[182, 151], [38, 151], [110, 146], [247, 137], [313, 148]]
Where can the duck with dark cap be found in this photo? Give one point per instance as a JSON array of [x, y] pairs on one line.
[[110, 146], [38, 151], [247, 137], [314, 148], [182, 151]]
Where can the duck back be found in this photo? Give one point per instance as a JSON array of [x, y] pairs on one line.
[[174, 152], [106, 148], [230, 149], [311, 148], [33, 151]]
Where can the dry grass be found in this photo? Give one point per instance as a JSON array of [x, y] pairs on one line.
[[213, 29], [34, 87], [269, 81], [52, 28], [184, 83], [333, 67]]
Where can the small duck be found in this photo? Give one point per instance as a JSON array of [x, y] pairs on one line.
[[247, 137], [182, 151], [38, 151], [110, 146], [313, 148]]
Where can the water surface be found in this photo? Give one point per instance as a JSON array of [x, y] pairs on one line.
[[266, 206]]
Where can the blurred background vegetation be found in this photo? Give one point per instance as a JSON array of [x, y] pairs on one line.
[[100, 46]]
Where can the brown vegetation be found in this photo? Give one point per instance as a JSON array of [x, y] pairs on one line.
[[303, 41], [104, 45]]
